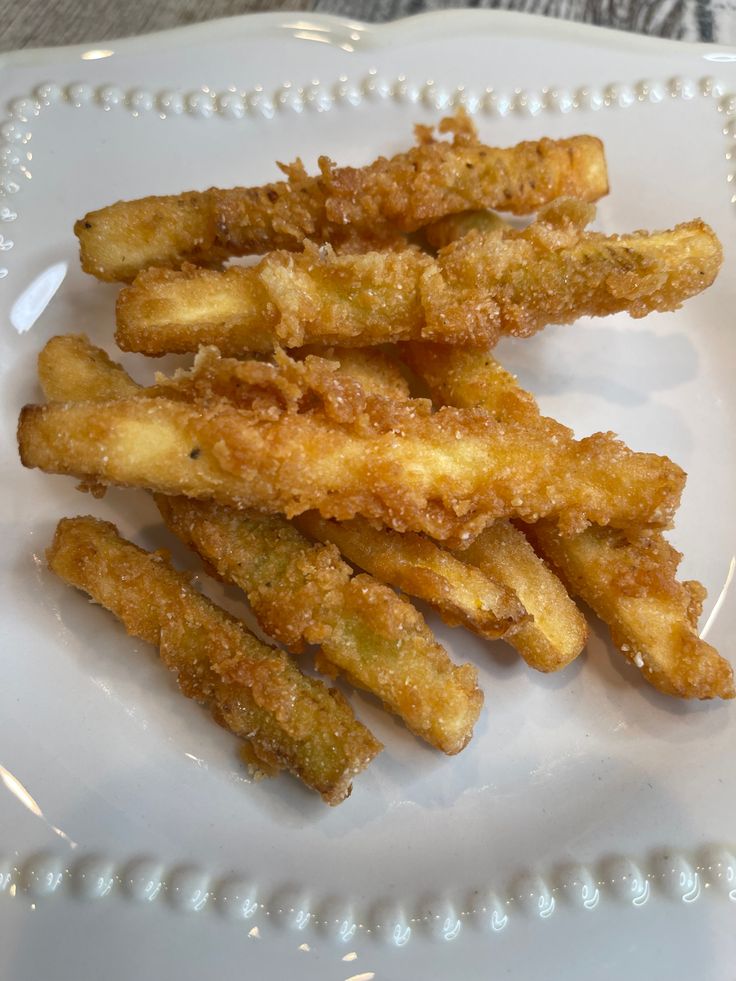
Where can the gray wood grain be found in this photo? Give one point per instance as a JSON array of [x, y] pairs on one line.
[[31, 23]]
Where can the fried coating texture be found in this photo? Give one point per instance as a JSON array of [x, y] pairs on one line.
[[70, 369], [304, 593], [375, 370], [470, 379], [462, 595], [548, 639], [502, 281], [334, 448], [653, 618], [438, 178], [287, 300], [632, 586], [556, 632], [290, 721], [352, 208]]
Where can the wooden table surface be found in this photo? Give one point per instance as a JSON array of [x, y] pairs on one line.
[[35, 23]]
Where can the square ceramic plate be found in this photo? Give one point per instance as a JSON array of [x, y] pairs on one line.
[[585, 831]]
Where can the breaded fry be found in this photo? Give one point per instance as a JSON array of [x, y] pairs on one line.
[[470, 379], [554, 634], [631, 586], [302, 592], [352, 208], [503, 281], [554, 272], [257, 692], [316, 297], [438, 178], [70, 369], [462, 595], [653, 618], [557, 631], [343, 452]]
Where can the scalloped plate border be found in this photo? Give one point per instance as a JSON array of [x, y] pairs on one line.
[[673, 874], [668, 874], [235, 104]]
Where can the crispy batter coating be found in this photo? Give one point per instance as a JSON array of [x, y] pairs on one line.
[[462, 595], [548, 639], [352, 208], [653, 618], [70, 369], [556, 632], [439, 178], [631, 586], [553, 271], [257, 692], [470, 379], [376, 370], [502, 281], [302, 592], [315, 297], [554, 637], [344, 452], [208, 227]]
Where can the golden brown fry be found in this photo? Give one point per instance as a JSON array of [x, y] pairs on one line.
[[336, 449], [653, 618], [554, 272], [291, 300], [353, 208], [470, 379], [631, 586], [554, 634], [449, 229], [499, 282], [68, 364], [257, 692], [302, 592], [460, 594], [437, 178], [557, 631]]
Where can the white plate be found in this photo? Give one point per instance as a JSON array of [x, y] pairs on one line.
[[435, 867]]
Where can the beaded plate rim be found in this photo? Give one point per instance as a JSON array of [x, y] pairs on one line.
[[236, 104]]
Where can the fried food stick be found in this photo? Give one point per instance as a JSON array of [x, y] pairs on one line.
[[652, 616], [290, 721], [302, 593], [556, 632], [501, 281], [352, 208], [631, 586], [459, 593], [70, 366], [287, 300], [71, 369], [548, 640], [345, 452]]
